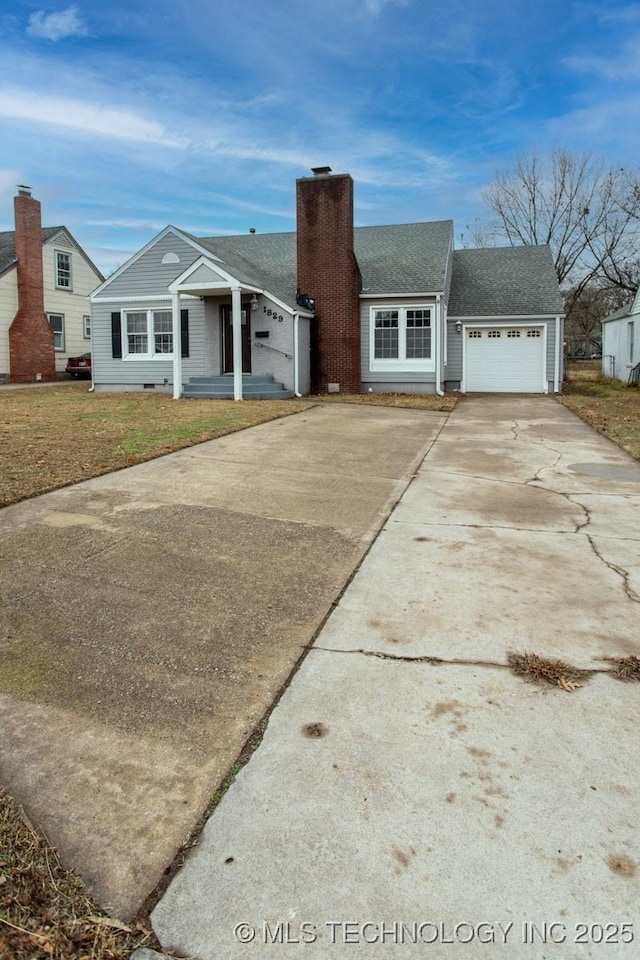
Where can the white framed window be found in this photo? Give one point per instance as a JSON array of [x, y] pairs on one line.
[[147, 333], [86, 327], [63, 270], [401, 337], [631, 338], [57, 322]]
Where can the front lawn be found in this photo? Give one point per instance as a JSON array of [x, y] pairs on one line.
[[52, 436]]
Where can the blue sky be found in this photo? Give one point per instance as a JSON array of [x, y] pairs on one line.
[[124, 117]]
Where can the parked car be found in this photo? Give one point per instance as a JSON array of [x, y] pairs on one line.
[[79, 366]]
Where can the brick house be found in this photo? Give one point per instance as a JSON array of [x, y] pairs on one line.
[[329, 308], [45, 282]]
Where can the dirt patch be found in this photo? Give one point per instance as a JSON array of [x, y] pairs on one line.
[[622, 865]]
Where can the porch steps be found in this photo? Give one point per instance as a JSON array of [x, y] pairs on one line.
[[221, 388]]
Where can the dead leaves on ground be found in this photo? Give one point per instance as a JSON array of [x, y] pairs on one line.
[[45, 911]]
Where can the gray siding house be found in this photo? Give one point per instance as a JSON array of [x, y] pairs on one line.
[[330, 308], [621, 341]]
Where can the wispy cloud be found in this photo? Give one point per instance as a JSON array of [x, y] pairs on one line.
[[618, 64], [91, 119], [127, 224], [56, 26], [629, 14], [376, 7], [606, 123]]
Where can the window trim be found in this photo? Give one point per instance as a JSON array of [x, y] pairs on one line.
[[56, 332], [401, 363], [86, 326], [631, 336], [150, 354], [63, 286]]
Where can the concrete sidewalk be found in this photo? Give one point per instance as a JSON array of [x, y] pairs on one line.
[[150, 617], [411, 795]]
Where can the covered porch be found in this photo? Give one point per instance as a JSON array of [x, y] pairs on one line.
[[252, 344]]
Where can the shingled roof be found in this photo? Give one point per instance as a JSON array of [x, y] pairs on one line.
[[8, 245], [404, 258], [504, 281], [266, 260], [396, 260]]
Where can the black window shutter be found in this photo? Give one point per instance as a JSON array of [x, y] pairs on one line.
[[116, 336], [184, 332]]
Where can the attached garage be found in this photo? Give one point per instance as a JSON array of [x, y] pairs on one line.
[[504, 359], [504, 322]]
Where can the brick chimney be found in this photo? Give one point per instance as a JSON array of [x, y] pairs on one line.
[[328, 272], [31, 352]]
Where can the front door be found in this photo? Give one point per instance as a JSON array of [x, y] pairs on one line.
[[227, 340]]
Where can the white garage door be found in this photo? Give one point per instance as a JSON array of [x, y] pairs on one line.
[[504, 360]]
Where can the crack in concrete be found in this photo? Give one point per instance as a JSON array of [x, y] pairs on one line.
[[622, 573], [537, 478], [439, 661], [587, 513]]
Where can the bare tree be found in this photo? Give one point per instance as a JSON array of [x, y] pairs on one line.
[[587, 211]]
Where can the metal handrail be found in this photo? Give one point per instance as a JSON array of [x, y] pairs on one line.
[[267, 346], [634, 376]]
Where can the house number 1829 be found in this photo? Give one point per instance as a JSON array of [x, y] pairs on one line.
[[271, 313]]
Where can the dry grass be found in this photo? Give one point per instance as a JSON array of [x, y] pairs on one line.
[[609, 406], [542, 670], [45, 912], [408, 400], [56, 435], [625, 668]]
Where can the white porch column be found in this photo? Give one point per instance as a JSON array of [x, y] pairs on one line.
[[177, 346], [236, 323]]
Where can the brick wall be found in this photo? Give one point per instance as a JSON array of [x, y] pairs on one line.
[[328, 272], [31, 353]]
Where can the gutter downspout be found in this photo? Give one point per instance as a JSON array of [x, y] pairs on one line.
[[437, 345], [296, 372], [177, 346], [236, 323], [556, 360]]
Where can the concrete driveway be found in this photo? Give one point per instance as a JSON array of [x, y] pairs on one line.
[[150, 618], [411, 795]]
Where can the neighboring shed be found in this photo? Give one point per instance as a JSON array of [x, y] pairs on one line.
[[621, 340]]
